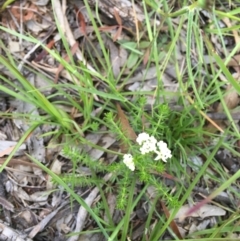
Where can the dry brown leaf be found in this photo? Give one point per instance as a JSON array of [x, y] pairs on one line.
[[201, 209], [44, 52], [55, 168], [146, 57], [231, 99], [117, 17], [120, 27], [117, 56], [81, 20], [173, 225], [106, 28], [106, 141], [118, 34], [111, 200], [125, 126], [25, 14], [7, 151], [234, 61]]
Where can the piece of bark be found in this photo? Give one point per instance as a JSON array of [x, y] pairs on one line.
[[131, 14], [8, 233]]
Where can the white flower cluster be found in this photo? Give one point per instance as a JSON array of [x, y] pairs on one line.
[[128, 161], [148, 144], [163, 153]]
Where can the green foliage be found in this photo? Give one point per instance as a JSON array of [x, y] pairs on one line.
[[146, 167], [6, 4], [182, 130], [81, 180], [98, 208]]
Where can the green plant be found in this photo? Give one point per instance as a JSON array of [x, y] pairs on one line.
[[184, 131]]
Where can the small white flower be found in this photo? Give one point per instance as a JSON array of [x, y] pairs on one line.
[[152, 140], [131, 166], [162, 156], [164, 153], [159, 156], [148, 146], [144, 150], [142, 137], [162, 144], [128, 161], [147, 143]]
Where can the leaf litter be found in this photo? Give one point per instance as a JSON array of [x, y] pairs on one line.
[[33, 200]]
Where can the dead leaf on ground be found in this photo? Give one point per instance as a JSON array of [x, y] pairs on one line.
[[234, 61], [231, 99], [173, 225], [23, 14], [6, 204], [126, 127], [203, 211], [118, 56], [6, 148]]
